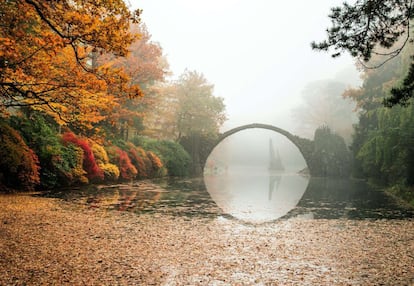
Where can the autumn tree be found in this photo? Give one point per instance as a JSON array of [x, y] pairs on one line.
[[188, 112], [160, 122], [145, 67], [373, 27], [144, 63], [199, 116], [199, 111], [47, 51], [186, 106]]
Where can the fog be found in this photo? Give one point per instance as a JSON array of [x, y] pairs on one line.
[[240, 179], [251, 148], [256, 53]]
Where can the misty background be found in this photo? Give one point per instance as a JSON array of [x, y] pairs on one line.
[[251, 148], [258, 57]]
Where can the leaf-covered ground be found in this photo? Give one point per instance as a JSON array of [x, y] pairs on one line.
[[49, 242]]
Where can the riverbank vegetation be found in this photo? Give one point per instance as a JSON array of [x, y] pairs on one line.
[[35, 154], [381, 149], [379, 37], [84, 98]]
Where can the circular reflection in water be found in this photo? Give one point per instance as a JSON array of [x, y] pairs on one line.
[[239, 179]]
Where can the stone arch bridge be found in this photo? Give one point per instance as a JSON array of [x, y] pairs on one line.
[[304, 145]]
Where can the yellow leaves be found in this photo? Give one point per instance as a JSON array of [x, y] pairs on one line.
[[135, 92], [7, 47], [76, 18], [37, 42], [44, 50]]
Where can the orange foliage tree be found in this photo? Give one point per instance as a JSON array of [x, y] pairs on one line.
[[145, 63], [145, 66], [47, 57]]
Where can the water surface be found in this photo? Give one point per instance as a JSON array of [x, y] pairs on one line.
[[256, 195], [252, 200]]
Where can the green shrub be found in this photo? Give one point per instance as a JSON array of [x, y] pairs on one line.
[[71, 165], [43, 139], [172, 154], [60, 165]]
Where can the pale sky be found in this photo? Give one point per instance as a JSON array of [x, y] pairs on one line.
[[256, 53]]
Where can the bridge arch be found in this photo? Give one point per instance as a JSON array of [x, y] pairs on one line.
[[305, 146]]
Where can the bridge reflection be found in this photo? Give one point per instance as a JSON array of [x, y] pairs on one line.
[[254, 195]]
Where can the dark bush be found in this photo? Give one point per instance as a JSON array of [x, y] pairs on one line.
[[19, 165]]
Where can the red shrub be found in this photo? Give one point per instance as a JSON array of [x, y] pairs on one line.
[[137, 161], [127, 170], [147, 162], [89, 164]]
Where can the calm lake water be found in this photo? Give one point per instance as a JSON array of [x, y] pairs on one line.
[[252, 197], [237, 184]]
